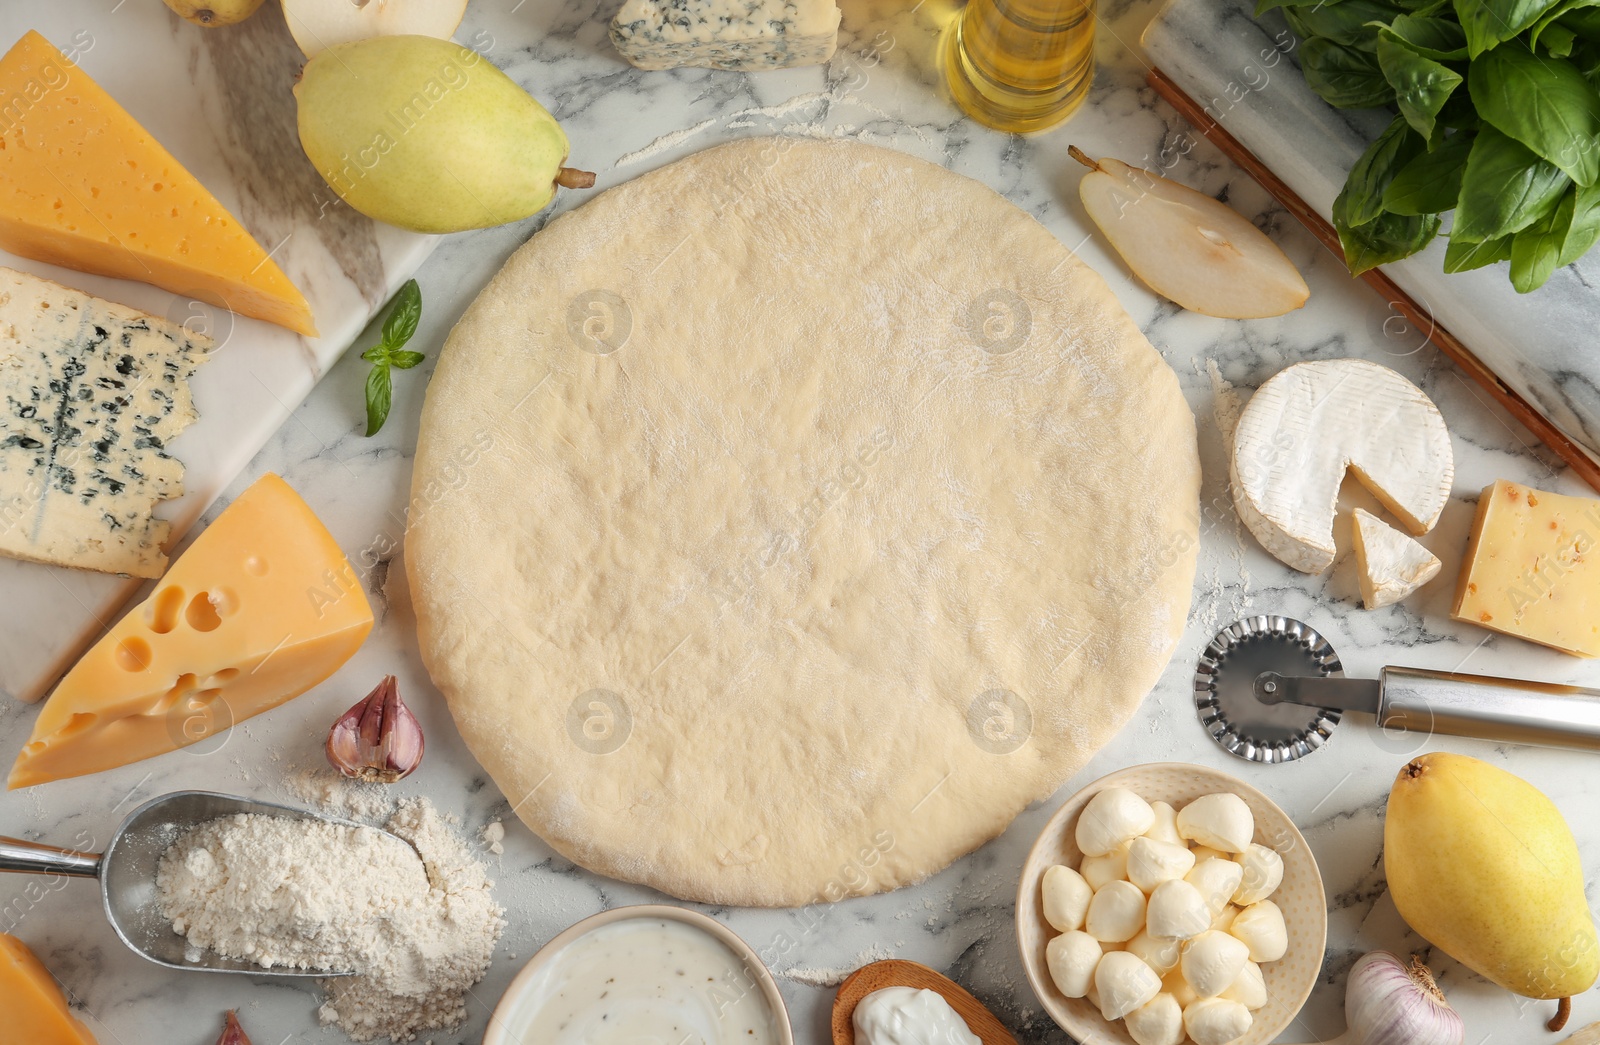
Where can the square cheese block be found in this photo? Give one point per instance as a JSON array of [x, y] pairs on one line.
[[743, 35], [1532, 570], [32, 1007]]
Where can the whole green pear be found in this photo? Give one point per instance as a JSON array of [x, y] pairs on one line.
[[428, 135]]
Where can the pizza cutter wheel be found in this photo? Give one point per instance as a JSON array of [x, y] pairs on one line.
[[1271, 689]]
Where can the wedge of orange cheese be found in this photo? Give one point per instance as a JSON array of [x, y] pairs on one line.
[[83, 186], [262, 607], [32, 1007]]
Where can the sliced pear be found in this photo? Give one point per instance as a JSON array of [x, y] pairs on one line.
[[319, 24], [1187, 247]]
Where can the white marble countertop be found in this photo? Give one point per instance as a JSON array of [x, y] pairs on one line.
[[881, 87]]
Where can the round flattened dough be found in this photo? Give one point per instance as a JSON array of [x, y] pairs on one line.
[[787, 519]]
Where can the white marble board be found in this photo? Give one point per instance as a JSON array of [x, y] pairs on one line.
[[220, 103]]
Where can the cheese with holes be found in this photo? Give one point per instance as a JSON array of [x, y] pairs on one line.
[[262, 607], [1390, 565], [84, 186], [744, 35], [1312, 422], [1532, 569], [32, 1007], [91, 392]]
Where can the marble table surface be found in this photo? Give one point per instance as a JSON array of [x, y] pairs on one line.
[[882, 88]]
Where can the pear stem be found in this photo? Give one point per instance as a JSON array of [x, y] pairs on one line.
[[1563, 1013], [1082, 157], [572, 178]]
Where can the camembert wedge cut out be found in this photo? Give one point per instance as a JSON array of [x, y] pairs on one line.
[[1390, 564], [261, 608], [84, 186]]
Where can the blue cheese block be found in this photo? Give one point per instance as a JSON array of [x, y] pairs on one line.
[[726, 34], [91, 392]]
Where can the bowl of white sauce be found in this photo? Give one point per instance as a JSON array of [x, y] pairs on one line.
[[650, 973]]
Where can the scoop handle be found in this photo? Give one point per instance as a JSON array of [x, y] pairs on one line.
[[33, 858], [1489, 708]]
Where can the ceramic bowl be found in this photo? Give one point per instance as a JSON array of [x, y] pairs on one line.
[[523, 992], [1305, 909]]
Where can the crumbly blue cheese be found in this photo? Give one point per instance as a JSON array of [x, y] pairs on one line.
[[90, 394], [726, 34]]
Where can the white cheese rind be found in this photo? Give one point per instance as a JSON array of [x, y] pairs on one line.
[[742, 35], [1390, 564], [90, 394], [1312, 421]]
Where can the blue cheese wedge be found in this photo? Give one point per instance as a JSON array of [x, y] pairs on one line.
[[743, 35], [91, 392]]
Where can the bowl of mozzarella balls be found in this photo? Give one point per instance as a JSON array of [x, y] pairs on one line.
[[1171, 903]]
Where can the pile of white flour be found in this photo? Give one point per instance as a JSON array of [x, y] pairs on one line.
[[418, 932]]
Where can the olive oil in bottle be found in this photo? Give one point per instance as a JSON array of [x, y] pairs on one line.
[[1020, 65]]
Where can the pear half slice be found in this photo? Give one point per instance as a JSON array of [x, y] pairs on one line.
[[317, 25], [1186, 246]]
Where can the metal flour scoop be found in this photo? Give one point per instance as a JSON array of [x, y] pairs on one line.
[[127, 873]]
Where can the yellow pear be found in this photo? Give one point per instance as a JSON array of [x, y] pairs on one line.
[[1481, 864]]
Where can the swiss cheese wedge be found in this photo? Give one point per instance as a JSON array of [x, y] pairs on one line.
[[31, 1005], [82, 185], [262, 607]]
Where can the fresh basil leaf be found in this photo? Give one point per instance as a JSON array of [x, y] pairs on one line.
[[1550, 16], [1364, 187], [1441, 39], [1348, 22], [378, 353], [1504, 189], [1461, 256], [380, 389], [1585, 22], [1431, 182], [1489, 23], [402, 321], [1421, 85], [1388, 237], [1545, 104], [1536, 250], [1557, 41], [404, 360], [1344, 77]]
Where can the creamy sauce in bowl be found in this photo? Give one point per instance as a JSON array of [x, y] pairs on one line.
[[643, 981]]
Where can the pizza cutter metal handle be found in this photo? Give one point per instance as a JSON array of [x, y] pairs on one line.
[[1484, 707]]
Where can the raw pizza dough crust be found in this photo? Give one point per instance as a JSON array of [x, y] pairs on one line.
[[787, 519]]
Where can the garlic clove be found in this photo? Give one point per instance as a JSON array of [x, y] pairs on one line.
[[1064, 898], [1124, 983], [1212, 961], [1224, 918], [1165, 829], [1116, 913], [1263, 873], [1249, 988], [1216, 1021], [232, 1033], [1260, 927], [1160, 955], [1112, 817], [378, 740], [1217, 881], [1182, 990], [1108, 867], [1221, 821], [1176, 911], [1071, 959], [1158, 1021], [1151, 862]]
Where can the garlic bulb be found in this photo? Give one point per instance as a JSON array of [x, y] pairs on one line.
[[377, 740], [1112, 817], [1064, 896], [1387, 1002]]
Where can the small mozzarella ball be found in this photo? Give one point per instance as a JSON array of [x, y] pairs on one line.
[[1260, 927], [1158, 1021], [1212, 961], [1165, 829], [1217, 881], [1225, 918], [1064, 895], [1216, 1021], [1250, 989], [1108, 867], [1116, 913], [1177, 911], [1202, 853], [1112, 817], [1174, 984], [1071, 958], [1124, 983], [1263, 873], [1160, 955], [1150, 862], [1221, 821]]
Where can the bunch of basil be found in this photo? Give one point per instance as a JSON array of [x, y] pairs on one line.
[[1499, 104]]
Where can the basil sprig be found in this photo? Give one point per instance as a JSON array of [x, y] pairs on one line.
[[390, 353]]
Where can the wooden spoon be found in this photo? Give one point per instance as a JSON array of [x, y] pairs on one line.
[[899, 973]]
